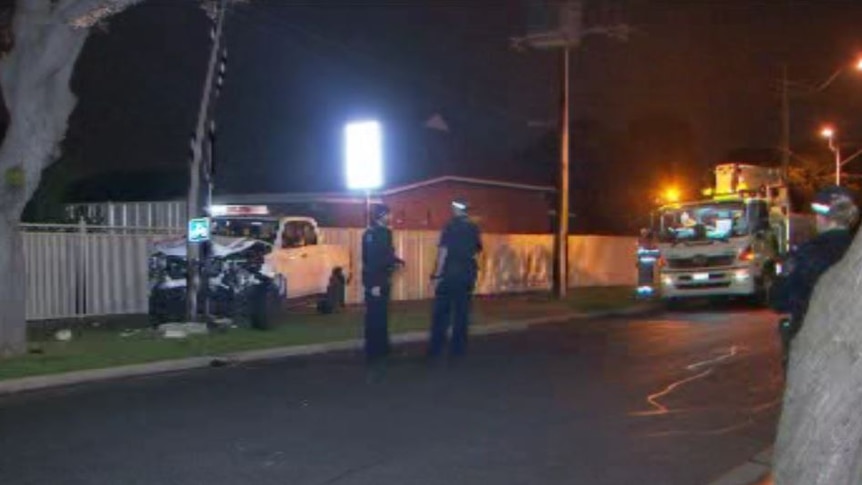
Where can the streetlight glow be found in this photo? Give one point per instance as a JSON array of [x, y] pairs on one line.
[[827, 132], [363, 155], [859, 64]]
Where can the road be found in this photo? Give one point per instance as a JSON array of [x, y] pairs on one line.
[[672, 399]]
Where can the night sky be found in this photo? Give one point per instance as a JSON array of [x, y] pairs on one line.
[[695, 82]]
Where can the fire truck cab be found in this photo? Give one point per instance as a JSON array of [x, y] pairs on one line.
[[729, 244]]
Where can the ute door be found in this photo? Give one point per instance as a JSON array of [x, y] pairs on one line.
[[292, 260]]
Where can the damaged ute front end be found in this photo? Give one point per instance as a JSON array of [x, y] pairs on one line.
[[237, 281]]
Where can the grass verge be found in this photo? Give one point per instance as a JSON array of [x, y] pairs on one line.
[[113, 345]]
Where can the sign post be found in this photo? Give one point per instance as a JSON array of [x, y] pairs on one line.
[[199, 230]]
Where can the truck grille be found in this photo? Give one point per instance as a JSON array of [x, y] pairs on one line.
[[704, 286], [700, 262]]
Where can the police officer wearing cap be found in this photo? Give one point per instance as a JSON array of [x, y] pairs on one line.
[[378, 263], [836, 215], [455, 279]]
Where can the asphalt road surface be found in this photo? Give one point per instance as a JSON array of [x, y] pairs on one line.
[[672, 399]]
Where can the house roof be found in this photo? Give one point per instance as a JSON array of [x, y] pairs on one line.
[[354, 198], [468, 180], [294, 198]]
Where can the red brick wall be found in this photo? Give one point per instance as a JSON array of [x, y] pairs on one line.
[[327, 214], [346, 215], [499, 210]]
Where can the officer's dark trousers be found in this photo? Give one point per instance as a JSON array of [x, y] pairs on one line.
[[787, 330], [377, 324], [451, 308], [646, 273]]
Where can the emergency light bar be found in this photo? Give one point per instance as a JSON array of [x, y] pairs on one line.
[[238, 210]]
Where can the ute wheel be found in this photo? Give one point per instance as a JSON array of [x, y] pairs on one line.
[[157, 312], [266, 309], [335, 293], [157, 319]]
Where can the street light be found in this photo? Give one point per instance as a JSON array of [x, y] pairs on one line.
[[807, 89], [671, 195], [825, 84], [363, 158], [829, 133]]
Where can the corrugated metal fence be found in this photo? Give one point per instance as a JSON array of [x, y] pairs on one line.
[[165, 214], [80, 270]]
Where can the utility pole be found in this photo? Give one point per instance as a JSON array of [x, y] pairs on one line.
[[835, 148], [562, 283], [565, 33], [193, 279], [838, 166], [785, 125]]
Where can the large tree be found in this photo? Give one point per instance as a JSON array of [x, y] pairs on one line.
[[820, 433], [39, 50]]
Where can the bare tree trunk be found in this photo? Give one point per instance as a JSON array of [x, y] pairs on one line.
[[820, 432], [13, 337], [35, 78]]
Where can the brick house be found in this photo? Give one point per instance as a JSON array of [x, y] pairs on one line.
[[500, 207]]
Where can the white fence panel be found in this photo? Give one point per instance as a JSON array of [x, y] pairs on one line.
[[515, 263], [602, 261], [85, 271], [116, 273], [52, 275], [165, 214]]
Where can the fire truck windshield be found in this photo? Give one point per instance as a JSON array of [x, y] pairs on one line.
[[703, 221]]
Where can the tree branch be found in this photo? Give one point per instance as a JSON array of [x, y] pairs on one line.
[[83, 14]]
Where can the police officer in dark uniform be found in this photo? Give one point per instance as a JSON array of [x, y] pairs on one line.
[[648, 255], [455, 279], [378, 263], [836, 214]]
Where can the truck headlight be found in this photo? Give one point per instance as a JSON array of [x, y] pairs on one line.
[[741, 275], [667, 280]]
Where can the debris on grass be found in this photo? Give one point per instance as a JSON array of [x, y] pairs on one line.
[[63, 335]]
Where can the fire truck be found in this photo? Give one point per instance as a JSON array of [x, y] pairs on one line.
[[732, 242]]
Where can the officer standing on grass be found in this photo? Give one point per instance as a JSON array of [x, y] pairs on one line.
[[836, 215], [378, 263], [455, 279]]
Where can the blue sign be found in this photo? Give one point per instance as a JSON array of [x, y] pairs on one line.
[[199, 230]]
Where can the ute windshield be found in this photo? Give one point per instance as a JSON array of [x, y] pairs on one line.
[[703, 221], [261, 229]]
